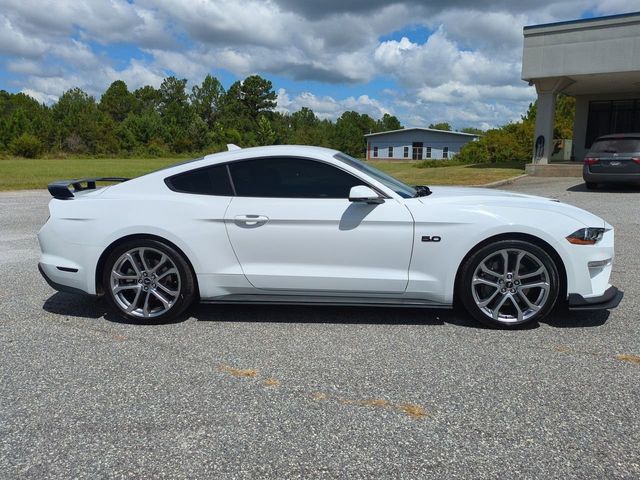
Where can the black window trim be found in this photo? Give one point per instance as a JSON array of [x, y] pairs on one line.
[[167, 180]]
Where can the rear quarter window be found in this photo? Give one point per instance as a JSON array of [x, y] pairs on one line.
[[212, 180]]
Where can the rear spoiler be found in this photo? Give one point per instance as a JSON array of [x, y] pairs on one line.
[[60, 189]]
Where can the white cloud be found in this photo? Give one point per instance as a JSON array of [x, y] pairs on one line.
[[326, 107], [39, 96], [14, 42], [467, 71]]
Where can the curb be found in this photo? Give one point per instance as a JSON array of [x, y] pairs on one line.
[[499, 183]]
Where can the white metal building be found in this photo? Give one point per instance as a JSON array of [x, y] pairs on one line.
[[416, 144], [597, 61]]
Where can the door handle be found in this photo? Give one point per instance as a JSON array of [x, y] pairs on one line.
[[250, 221]]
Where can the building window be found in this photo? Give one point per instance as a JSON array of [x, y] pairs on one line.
[[445, 152], [375, 151], [405, 153], [390, 152], [428, 152]]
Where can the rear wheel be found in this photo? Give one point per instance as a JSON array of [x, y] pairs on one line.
[[591, 185], [509, 283], [148, 280]]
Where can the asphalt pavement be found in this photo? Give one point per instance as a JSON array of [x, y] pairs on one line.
[[315, 392]]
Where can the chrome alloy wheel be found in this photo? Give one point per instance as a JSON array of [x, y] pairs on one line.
[[145, 282], [511, 286]]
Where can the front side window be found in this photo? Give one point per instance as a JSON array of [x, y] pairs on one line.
[[212, 180], [290, 178], [402, 189]]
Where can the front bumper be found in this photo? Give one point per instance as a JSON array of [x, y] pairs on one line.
[[611, 298]]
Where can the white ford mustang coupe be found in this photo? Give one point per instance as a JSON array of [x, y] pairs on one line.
[[308, 225]]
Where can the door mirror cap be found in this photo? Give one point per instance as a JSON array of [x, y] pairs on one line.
[[364, 194]]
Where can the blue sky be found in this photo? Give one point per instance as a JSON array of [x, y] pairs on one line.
[[425, 62]]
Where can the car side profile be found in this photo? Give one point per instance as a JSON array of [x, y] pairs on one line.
[[309, 225], [613, 159]]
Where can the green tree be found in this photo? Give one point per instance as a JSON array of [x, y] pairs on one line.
[[258, 95], [265, 134], [243, 104], [206, 99], [349, 131], [441, 126], [176, 113], [472, 130], [198, 133], [77, 117], [117, 101], [388, 122], [20, 114], [147, 99]]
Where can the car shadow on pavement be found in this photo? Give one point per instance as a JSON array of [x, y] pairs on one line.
[[71, 305], [319, 314], [67, 304], [563, 318], [606, 188]]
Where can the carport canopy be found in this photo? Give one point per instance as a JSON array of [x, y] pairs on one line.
[[597, 61]]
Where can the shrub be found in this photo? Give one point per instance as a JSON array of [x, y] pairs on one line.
[[439, 163], [157, 148], [26, 145]]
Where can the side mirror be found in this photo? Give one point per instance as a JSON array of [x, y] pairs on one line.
[[364, 194]]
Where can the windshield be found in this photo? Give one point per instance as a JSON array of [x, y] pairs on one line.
[[405, 191]]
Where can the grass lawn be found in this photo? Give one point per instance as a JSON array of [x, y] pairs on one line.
[[22, 173], [479, 174]]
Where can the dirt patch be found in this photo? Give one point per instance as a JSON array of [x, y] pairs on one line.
[[272, 382], [626, 357], [367, 403], [415, 411], [237, 372]]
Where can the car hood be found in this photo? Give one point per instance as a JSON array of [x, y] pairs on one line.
[[485, 197]]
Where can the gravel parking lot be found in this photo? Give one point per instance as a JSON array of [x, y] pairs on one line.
[[309, 392]]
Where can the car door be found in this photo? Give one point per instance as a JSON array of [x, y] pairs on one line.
[[293, 227]]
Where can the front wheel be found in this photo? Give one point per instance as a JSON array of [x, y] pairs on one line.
[[509, 283], [147, 280]]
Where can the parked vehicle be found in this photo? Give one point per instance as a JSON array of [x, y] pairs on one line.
[[308, 225], [613, 159]]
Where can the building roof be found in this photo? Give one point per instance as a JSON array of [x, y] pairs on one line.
[[594, 22], [424, 130]]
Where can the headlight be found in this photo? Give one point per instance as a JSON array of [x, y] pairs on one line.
[[586, 236]]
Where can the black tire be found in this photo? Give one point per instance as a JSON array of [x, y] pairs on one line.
[[591, 185], [181, 284], [469, 291]]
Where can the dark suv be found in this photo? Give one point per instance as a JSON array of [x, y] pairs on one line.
[[613, 158]]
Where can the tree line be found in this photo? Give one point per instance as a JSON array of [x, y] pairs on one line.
[[172, 120]]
